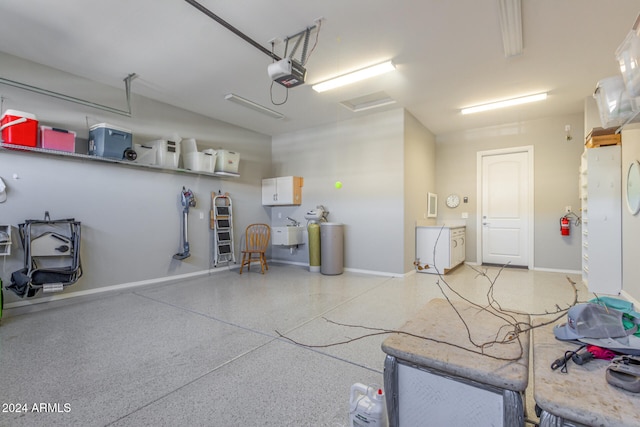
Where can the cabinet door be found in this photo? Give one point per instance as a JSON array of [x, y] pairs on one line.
[[433, 247], [284, 188], [463, 248], [604, 189], [457, 246], [453, 258], [269, 191]]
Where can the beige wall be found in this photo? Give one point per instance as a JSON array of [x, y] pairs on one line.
[[556, 163], [367, 155], [419, 180]]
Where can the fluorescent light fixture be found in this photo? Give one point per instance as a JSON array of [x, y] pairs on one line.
[[511, 26], [355, 76], [505, 103], [368, 105], [367, 102], [250, 104]]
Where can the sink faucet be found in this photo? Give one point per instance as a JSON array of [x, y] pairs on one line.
[[294, 223]]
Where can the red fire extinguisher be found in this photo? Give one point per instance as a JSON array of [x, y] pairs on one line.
[[564, 226]]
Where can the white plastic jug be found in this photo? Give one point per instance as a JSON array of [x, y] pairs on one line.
[[367, 406]]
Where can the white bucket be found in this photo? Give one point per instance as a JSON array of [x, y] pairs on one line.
[[367, 406]]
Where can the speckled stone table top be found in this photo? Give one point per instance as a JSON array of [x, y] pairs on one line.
[[455, 354], [582, 395]]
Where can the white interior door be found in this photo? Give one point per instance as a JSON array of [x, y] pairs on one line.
[[506, 207]]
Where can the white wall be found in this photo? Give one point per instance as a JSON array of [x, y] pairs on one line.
[[556, 163], [367, 155], [630, 223], [130, 216]]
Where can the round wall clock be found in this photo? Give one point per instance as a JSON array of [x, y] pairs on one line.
[[453, 201]]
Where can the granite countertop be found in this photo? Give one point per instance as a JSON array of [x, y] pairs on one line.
[[439, 321], [581, 395]]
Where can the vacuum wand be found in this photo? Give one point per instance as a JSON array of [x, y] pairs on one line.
[[188, 200]]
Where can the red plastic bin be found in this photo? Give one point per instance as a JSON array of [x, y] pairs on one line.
[[19, 128]]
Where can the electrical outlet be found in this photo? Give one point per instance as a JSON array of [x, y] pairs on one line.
[[465, 215], [201, 215]]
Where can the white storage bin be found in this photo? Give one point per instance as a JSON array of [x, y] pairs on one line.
[[613, 101], [200, 161], [167, 153], [189, 145], [146, 154], [628, 56], [227, 161], [209, 160]]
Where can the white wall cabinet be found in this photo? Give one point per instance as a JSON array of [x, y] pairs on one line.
[[284, 190], [601, 198], [449, 244]]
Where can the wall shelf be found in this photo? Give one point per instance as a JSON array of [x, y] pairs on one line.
[[63, 154]]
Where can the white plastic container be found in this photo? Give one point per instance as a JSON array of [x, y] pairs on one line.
[[167, 153], [613, 101], [200, 161], [189, 145], [209, 160], [367, 407], [628, 56], [227, 161], [146, 154]]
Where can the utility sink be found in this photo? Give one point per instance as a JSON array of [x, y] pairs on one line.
[[287, 236]]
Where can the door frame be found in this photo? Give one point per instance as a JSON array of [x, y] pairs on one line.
[[530, 211]]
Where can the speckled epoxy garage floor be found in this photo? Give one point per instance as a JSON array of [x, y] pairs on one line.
[[205, 352]]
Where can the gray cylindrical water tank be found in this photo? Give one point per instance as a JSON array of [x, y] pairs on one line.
[[331, 248]]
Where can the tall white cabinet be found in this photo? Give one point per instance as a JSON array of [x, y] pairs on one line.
[[601, 198]]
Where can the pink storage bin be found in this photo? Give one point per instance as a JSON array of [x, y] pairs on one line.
[[57, 139]]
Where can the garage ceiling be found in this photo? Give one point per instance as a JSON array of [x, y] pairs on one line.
[[448, 54]]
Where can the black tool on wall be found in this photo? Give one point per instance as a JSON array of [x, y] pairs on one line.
[[188, 200]]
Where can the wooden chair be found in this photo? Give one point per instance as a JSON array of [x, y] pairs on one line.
[[256, 242]]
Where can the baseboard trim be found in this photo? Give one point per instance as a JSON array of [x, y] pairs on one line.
[[558, 270], [628, 297], [350, 270], [112, 288]]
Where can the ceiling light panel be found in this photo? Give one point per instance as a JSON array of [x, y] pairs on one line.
[[355, 76], [252, 105], [511, 26], [505, 103], [367, 102]]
